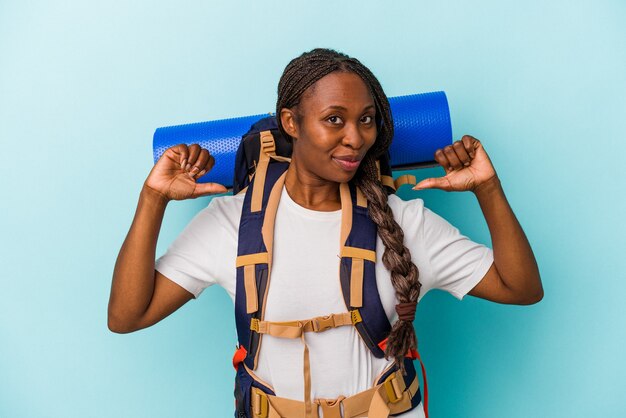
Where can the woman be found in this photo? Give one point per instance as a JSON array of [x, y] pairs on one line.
[[338, 118]]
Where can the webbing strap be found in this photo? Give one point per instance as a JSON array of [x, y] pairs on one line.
[[346, 214], [358, 253], [308, 407], [249, 283], [356, 283], [388, 181], [257, 258], [295, 329], [268, 148], [405, 179], [267, 231], [390, 397], [331, 408], [248, 262], [280, 158], [358, 256], [413, 354]]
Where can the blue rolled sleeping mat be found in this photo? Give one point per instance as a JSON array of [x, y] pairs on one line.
[[421, 121]]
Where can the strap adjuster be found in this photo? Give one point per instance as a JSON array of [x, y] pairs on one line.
[[254, 324], [355, 316], [260, 404], [268, 145], [393, 389]]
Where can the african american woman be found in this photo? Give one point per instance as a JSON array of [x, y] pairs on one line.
[[338, 118]]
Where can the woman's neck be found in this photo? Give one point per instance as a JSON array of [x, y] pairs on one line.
[[312, 192]]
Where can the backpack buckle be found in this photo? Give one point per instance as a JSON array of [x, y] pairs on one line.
[[323, 323]]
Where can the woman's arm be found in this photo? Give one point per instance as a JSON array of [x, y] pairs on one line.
[[140, 295], [514, 276]]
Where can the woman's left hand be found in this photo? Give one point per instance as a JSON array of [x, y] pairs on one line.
[[466, 164]]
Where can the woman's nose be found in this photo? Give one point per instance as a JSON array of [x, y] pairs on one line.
[[353, 137]]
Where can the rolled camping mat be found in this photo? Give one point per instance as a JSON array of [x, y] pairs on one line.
[[421, 121]]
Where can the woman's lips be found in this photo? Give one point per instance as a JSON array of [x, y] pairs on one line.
[[348, 165]]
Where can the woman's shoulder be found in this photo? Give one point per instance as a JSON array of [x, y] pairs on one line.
[[223, 210], [412, 209], [227, 203]]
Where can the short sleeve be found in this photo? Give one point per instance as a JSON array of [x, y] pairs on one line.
[[193, 260], [457, 263]]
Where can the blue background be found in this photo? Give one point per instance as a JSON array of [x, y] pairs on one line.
[[84, 84]]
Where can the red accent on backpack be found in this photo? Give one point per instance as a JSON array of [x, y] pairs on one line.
[[413, 354], [240, 355]]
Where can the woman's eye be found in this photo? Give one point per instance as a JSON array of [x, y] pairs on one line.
[[367, 119], [334, 119]]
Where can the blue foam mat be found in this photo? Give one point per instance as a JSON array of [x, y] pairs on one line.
[[421, 121]]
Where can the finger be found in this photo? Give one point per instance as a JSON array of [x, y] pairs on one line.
[[442, 160], [433, 183], [201, 162], [469, 142], [461, 153], [455, 163], [208, 167], [194, 152], [182, 153], [204, 189], [210, 163]]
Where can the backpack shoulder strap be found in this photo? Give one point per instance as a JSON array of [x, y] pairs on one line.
[[254, 250], [267, 152], [358, 269]]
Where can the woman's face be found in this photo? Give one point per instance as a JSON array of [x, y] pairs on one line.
[[333, 127]]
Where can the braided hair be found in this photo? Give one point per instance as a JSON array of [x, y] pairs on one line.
[[300, 74]]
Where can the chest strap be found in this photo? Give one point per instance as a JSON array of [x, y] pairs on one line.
[[297, 329], [294, 329], [392, 396]]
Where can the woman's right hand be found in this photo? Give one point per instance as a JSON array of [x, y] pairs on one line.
[[175, 173]]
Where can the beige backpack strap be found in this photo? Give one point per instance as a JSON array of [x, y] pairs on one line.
[[294, 329], [405, 179], [385, 180], [356, 277], [249, 262], [388, 181], [390, 397], [267, 151], [358, 255], [267, 232], [297, 329]]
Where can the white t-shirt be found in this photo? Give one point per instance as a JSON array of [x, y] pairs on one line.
[[305, 284]]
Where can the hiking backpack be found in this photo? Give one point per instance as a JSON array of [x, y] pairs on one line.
[[261, 164]]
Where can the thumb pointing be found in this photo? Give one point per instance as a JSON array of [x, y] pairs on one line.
[[203, 189], [431, 183]]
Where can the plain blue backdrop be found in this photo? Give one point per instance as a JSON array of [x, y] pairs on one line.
[[84, 84]]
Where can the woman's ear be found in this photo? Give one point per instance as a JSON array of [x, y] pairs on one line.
[[288, 120]]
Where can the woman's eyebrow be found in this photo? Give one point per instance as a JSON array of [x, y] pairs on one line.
[[338, 107]]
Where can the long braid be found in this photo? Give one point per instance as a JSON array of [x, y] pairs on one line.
[[397, 259], [302, 73]]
